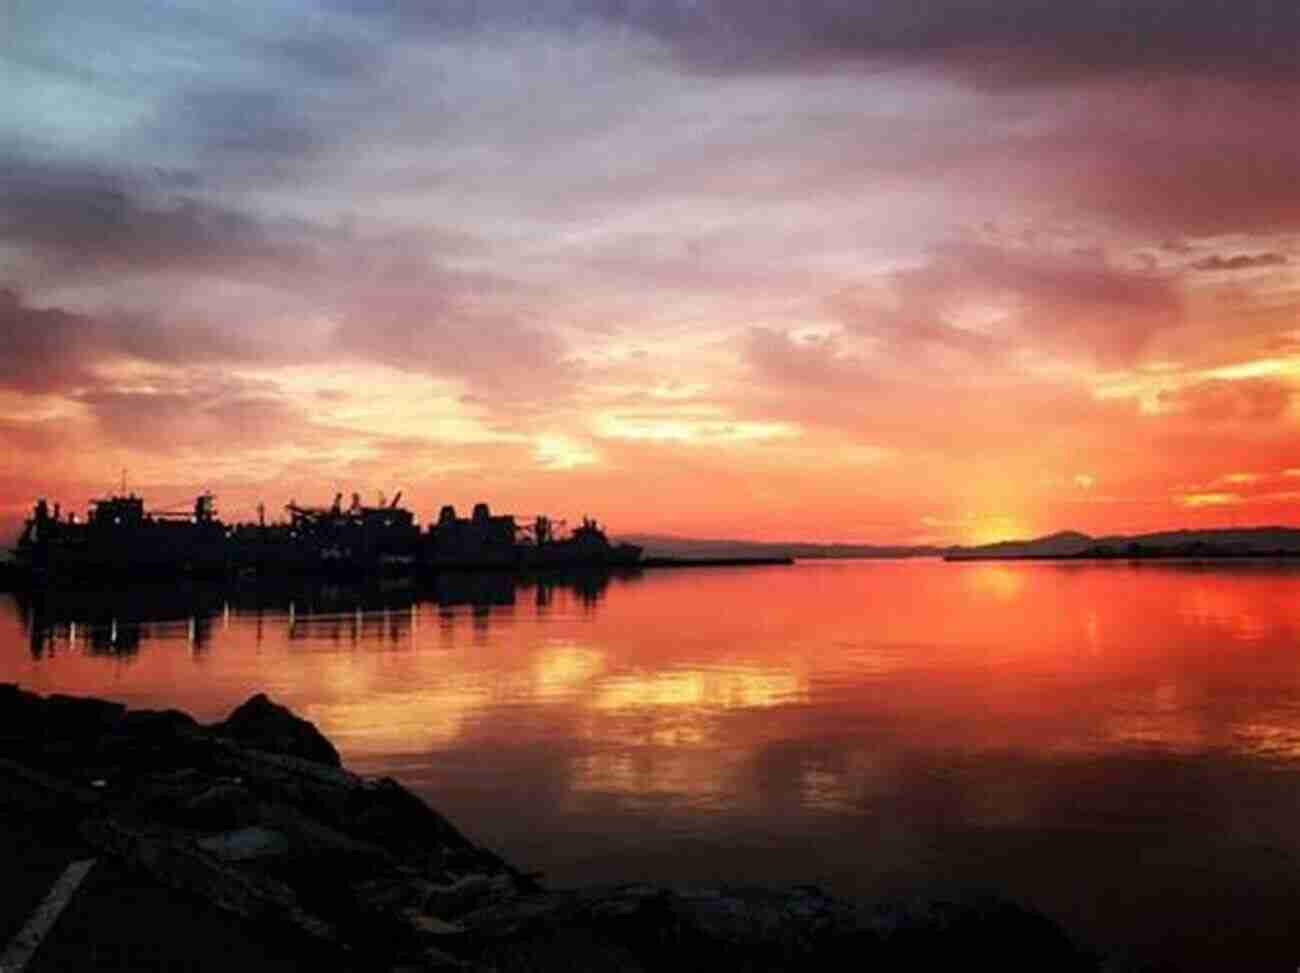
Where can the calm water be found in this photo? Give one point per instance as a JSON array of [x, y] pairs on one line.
[[1118, 745]]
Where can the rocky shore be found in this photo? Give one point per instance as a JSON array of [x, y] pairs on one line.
[[256, 817]]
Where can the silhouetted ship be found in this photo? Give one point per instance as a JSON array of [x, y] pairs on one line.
[[121, 538]]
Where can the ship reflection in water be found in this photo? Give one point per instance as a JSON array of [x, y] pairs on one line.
[[115, 621], [1118, 745]]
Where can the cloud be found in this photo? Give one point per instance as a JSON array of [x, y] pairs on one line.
[[31, 437], [56, 350], [984, 300], [1026, 41], [699, 427], [1219, 400], [831, 229], [803, 361], [83, 219], [1209, 499], [1243, 261], [1196, 156], [44, 348], [461, 327], [238, 123], [193, 409]]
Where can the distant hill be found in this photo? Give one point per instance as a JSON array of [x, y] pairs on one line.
[[1228, 542], [659, 545], [1067, 543]]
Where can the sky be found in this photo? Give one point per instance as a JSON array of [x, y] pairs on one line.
[[888, 272]]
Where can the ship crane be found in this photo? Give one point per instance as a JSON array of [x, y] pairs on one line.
[[201, 510], [543, 529], [171, 512]]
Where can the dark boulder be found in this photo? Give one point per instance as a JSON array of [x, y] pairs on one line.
[[947, 930], [158, 723], [75, 716], [264, 725], [22, 713], [224, 806]]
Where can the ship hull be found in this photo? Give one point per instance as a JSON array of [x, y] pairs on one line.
[[122, 541]]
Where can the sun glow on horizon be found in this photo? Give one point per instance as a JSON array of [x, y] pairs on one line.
[[995, 529], [896, 308]]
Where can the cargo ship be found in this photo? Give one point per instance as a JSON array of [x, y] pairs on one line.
[[121, 538], [352, 541]]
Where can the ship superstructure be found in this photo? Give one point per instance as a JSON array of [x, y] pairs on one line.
[[120, 538], [483, 539]]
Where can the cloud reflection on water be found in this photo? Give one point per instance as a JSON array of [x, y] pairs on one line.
[[861, 723]]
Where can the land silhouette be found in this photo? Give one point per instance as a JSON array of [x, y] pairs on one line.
[[1272, 541]]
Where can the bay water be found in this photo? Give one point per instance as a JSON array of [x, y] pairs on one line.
[[1115, 744]]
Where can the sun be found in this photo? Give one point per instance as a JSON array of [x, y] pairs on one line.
[[995, 528]]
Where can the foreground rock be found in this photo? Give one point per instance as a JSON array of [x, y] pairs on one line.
[[255, 815], [264, 725]]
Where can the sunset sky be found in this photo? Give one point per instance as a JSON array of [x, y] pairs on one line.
[[822, 270]]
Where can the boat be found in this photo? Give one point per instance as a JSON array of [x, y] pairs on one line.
[[121, 538], [487, 540], [587, 545], [354, 541]]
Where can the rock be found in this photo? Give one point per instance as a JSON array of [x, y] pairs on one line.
[[431, 925], [70, 716], [324, 846], [264, 725], [33, 789], [973, 927], [246, 844], [158, 722], [222, 807], [21, 713], [179, 864], [166, 794], [460, 896], [391, 894], [435, 959], [538, 910]]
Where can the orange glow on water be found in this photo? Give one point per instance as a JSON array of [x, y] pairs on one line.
[[873, 708], [739, 646]]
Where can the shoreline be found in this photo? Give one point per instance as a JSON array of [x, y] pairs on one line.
[[1193, 557]]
